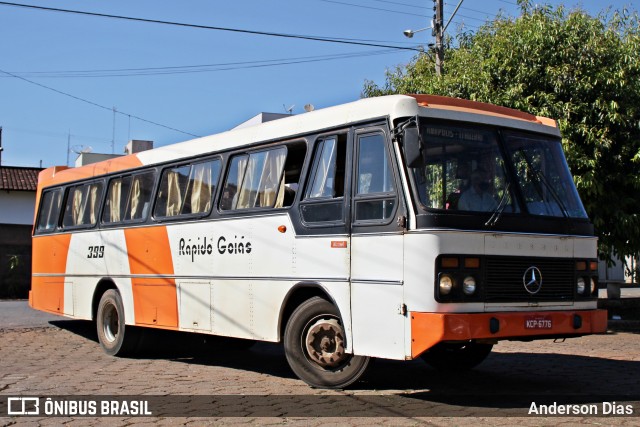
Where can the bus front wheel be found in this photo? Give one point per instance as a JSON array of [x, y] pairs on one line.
[[457, 356], [116, 339], [314, 344]]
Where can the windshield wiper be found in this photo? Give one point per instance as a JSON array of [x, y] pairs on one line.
[[541, 178], [493, 220]]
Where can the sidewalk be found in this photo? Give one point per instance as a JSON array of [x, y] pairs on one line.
[[626, 308], [624, 293]]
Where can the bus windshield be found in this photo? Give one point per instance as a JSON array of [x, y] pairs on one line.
[[483, 169]]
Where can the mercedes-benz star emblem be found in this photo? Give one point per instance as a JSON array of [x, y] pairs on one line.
[[532, 280]]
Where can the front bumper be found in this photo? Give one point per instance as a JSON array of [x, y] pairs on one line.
[[428, 329]]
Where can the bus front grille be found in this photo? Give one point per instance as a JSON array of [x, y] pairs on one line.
[[505, 279]]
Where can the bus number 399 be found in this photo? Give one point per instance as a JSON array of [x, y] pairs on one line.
[[96, 252]]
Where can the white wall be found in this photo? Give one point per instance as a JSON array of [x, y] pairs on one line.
[[17, 207]]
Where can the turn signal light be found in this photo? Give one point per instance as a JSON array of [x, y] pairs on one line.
[[449, 262], [472, 263]]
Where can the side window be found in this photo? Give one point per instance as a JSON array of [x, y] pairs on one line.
[[188, 189], [324, 175], [139, 199], [117, 194], [375, 197], [171, 194], [49, 210], [83, 204], [128, 198], [324, 197], [255, 180], [201, 187]]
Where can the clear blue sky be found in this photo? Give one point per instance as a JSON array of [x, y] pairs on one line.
[[77, 55]]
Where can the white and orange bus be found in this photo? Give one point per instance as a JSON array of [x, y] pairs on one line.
[[394, 227]]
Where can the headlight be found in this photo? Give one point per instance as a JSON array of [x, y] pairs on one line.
[[593, 286], [446, 284], [469, 285], [581, 286]]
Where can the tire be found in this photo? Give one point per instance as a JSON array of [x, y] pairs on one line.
[[458, 356], [313, 340], [116, 339]]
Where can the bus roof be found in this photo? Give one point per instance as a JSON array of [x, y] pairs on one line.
[[391, 107]]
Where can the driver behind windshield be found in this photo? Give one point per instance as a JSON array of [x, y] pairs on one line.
[[478, 197]]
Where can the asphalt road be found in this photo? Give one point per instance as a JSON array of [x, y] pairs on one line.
[[18, 314]]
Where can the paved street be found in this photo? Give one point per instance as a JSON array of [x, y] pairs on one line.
[[50, 356]]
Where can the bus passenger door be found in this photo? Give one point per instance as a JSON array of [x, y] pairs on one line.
[[323, 242], [377, 302]]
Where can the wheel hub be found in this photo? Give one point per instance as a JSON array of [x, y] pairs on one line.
[[111, 323], [325, 343]]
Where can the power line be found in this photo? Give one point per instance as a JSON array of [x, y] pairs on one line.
[[471, 17], [484, 12], [373, 8], [96, 104], [400, 4], [400, 12], [187, 69], [208, 27]]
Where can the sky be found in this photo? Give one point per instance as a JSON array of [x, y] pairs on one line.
[[71, 83]]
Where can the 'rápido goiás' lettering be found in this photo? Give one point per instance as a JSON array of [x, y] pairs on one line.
[[203, 247], [236, 246], [197, 248]]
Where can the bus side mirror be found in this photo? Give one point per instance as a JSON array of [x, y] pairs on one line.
[[412, 147]]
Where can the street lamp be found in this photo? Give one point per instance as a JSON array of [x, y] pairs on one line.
[[409, 33]]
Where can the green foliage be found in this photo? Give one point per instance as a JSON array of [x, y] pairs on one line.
[[583, 71]]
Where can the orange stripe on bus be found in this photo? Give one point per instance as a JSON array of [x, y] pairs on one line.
[[50, 253], [458, 104], [46, 295], [155, 300], [57, 175], [49, 257]]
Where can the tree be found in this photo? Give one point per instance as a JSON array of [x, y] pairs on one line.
[[583, 71]]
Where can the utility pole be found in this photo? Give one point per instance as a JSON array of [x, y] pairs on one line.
[[1, 146], [438, 32]]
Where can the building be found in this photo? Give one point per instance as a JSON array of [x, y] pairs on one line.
[[17, 206]]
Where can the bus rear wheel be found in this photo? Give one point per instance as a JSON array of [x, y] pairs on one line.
[[457, 356], [314, 343], [116, 339]]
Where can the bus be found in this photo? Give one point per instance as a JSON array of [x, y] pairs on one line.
[[396, 227]]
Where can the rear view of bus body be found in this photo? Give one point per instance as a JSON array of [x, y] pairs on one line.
[[395, 227]]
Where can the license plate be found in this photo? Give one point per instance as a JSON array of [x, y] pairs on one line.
[[538, 322]]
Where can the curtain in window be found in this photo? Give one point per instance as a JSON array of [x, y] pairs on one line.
[[114, 200], [78, 207], [136, 191], [174, 198], [93, 203], [201, 188], [244, 178], [271, 192]]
